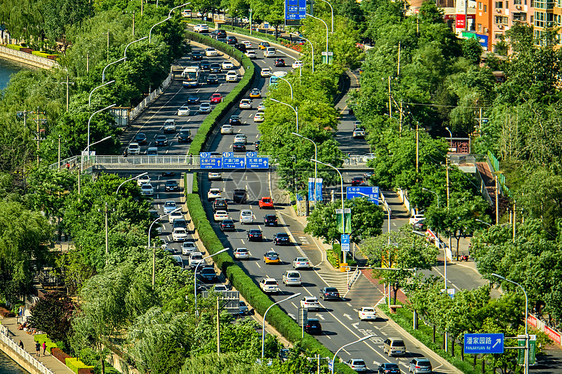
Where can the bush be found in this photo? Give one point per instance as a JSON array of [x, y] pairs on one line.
[[78, 366], [44, 338], [60, 355], [13, 46]]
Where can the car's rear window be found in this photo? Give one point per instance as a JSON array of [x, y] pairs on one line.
[[398, 343], [359, 362]]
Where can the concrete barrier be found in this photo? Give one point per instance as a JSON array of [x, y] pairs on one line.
[[26, 58]]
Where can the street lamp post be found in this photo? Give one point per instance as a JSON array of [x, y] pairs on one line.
[[263, 322], [290, 86], [154, 249], [332, 12], [82, 160], [342, 197], [327, 33], [315, 164], [450, 138], [439, 241], [134, 41], [130, 179], [195, 276], [106, 66], [347, 345], [526, 370], [295, 109], [100, 86], [90, 120], [169, 17], [311, 47]]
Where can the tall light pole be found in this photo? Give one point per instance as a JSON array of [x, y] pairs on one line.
[[100, 86], [153, 26], [347, 345], [263, 322], [332, 11], [526, 371], [342, 198], [195, 276], [315, 164], [439, 240], [154, 249], [90, 120], [295, 109], [450, 138], [130, 179], [108, 65], [82, 160], [311, 47], [327, 33], [134, 41], [290, 86]]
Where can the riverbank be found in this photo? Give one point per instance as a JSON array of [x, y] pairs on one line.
[[27, 59]]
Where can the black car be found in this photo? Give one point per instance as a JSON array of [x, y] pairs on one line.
[[219, 34], [207, 274], [239, 147], [193, 100], [196, 55], [241, 47], [205, 65], [168, 174], [160, 140], [140, 138], [184, 136], [257, 145], [388, 368], [171, 185], [231, 40], [358, 181], [215, 68], [329, 293], [227, 225], [313, 327], [279, 63], [235, 120], [270, 220], [212, 79], [281, 238], [255, 235], [220, 204], [239, 196]]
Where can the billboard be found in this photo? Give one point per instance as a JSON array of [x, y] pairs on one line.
[[295, 10]]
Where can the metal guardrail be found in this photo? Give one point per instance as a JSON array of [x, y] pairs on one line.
[[4, 336], [135, 112]]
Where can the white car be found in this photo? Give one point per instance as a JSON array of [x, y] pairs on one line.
[[241, 254], [366, 313], [246, 216], [226, 129], [169, 206], [259, 117], [357, 364], [188, 247], [214, 176], [265, 72], [250, 53], [179, 234], [358, 132], [292, 278], [310, 303], [227, 65], [184, 111], [415, 218], [169, 126], [133, 149], [210, 52], [214, 193], [174, 216], [220, 215], [269, 52], [240, 138], [231, 76], [143, 180], [297, 64], [201, 28], [269, 285], [245, 104], [261, 107], [195, 259], [147, 189], [301, 263], [247, 44], [204, 108]]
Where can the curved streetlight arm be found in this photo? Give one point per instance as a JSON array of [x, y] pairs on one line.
[[263, 322], [134, 41], [327, 32], [106, 66], [315, 157], [332, 11], [153, 26], [195, 276], [436, 195], [90, 119], [100, 86], [130, 179], [174, 8], [311, 47], [347, 345], [290, 85], [296, 110]]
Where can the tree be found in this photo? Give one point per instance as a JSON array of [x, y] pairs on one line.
[[52, 314]]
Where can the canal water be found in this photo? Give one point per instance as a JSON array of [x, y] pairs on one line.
[[7, 68]]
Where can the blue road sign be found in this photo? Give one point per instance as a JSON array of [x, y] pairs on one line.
[[227, 154], [295, 10], [233, 162], [483, 343], [205, 154], [345, 242], [257, 162], [251, 154], [210, 163], [360, 191]]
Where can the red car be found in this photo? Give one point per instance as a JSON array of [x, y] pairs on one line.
[[358, 181], [279, 62], [266, 202], [216, 98]]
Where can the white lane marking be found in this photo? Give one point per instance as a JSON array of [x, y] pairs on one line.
[[321, 317], [348, 316], [258, 264], [293, 304], [349, 305]]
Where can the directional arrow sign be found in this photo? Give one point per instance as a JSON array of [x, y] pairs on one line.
[[210, 163], [483, 343], [257, 162], [233, 162]]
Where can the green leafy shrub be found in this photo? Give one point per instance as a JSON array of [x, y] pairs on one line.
[[60, 355], [44, 338], [78, 366], [13, 46]]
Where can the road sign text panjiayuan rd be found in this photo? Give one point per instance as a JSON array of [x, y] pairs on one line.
[[483, 343]]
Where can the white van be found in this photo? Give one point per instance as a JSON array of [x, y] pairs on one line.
[[269, 52]]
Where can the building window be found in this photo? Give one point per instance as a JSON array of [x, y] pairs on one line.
[[517, 2], [540, 19], [479, 27], [479, 6], [506, 4], [519, 17], [499, 4], [485, 8]]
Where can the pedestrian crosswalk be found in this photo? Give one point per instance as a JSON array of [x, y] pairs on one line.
[[334, 278]]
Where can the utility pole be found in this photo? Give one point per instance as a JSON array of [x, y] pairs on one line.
[[38, 137], [218, 329], [497, 201], [87, 62], [389, 98], [514, 221], [106, 237], [68, 83], [133, 23], [107, 50], [58, 158], [417, 148]]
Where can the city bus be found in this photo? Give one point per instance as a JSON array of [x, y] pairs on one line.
[[191, 76]]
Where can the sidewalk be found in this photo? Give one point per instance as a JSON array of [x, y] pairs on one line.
[[49, 361]]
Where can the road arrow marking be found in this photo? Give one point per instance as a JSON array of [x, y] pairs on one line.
[[348, 317]]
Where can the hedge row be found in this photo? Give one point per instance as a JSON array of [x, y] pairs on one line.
[[234, 96], [78, 366], [43, 338], [60, 355], [74, 364]]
